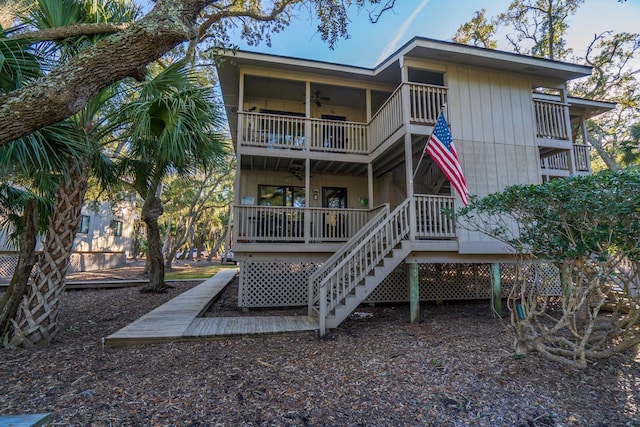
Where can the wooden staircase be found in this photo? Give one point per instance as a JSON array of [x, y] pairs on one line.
[[351, 274]]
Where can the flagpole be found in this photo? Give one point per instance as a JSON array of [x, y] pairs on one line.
[[415, 171]]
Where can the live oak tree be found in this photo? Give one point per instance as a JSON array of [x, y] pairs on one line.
[[613, 79], [125, 53], [193, 206], [478, 31]]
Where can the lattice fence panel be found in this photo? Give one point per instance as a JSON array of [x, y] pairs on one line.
[[454, 281], [461, 282], [281, 283], [544, 275], [392, 289], [274, 283], [8, 263]]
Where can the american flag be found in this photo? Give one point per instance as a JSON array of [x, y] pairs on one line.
[[440, 148]]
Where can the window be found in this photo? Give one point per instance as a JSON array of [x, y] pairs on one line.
[[281, 195], [83, 225], [334, 197], [116, 226]]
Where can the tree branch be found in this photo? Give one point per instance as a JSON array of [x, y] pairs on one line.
[[67, 89], [76, 30]]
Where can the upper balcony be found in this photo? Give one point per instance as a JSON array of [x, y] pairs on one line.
[[264, 131], [552, 126]]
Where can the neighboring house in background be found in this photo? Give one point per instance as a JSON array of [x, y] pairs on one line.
[[102, 240], [328, 213]]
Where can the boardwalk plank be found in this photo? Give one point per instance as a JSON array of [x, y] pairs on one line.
[[178, 320]]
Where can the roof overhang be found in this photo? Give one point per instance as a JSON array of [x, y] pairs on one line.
[[442, 51], [388, 71]]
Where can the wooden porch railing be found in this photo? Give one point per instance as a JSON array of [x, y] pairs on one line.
[[339, 137], [266, 224], [272, 131], [556, 162], [426, 101], [560, 161], [386, 120], [431, 223], [273, 224], [551, 119], [297, 133], [581, 157]]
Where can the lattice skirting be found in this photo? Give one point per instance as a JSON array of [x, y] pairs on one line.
[[282, 283], [274, 283], [90, 261]]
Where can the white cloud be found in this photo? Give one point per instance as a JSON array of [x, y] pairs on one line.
[[395, 40]]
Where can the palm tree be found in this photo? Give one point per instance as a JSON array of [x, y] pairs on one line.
[[30, 170], [36, 319], [173, 131]]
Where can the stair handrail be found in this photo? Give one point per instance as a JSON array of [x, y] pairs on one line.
[[399, 222], [337, 256]]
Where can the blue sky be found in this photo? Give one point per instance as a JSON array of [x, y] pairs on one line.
[[437, 19]]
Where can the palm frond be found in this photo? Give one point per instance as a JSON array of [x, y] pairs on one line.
[[18, 64]]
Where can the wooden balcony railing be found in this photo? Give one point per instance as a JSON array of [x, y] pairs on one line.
[[556, 162], [386, 120], [272, 224], [581, 157], [299, 133], [426, 101], [264, 224], [431, 222], [560, 161], [551, 119]]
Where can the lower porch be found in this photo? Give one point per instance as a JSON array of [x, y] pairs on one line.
[[256, 225]]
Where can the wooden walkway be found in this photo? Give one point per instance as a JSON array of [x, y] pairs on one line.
[[178, 319]]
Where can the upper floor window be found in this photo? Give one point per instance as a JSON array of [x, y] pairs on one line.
[[83, 225], [116, 226]]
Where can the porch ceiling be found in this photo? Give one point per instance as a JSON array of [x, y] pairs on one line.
[[296, 166], [394, 156]]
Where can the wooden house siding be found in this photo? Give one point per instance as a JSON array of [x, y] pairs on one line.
[[491, 119]]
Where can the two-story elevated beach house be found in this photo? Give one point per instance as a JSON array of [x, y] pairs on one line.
[[331, 209]]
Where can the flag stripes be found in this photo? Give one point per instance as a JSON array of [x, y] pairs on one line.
[[441, 149]]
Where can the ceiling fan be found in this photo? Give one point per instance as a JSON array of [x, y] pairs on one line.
[[316, 98], [297, 171]]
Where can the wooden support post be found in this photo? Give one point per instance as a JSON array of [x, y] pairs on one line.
[[414, 292], [496, 291]]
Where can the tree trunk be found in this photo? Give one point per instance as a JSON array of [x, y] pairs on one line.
[[218, 243], [26, 260], [151, 211], [607, 158], [36, 320]]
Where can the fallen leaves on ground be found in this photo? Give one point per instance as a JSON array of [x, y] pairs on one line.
[[455, 368]]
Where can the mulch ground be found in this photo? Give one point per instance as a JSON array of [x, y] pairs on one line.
[[455, 368]]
